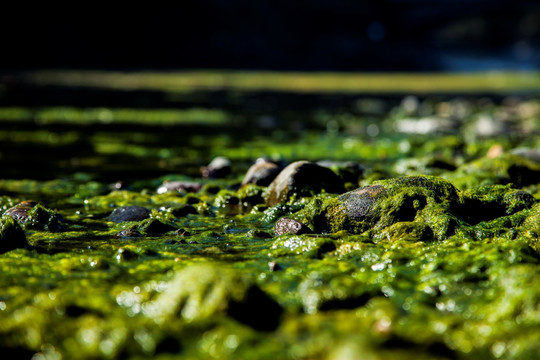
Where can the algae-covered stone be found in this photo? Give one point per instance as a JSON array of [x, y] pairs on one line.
[[486, 203], [302, 178], [11, 235], [32, 215], [390, 201], [427, 199], [205, 291], [417, 208]]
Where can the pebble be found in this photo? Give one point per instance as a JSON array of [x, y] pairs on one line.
[[129, 213], [290, 226], [527, 153], [302, 178], [219, 167], [262, 173]]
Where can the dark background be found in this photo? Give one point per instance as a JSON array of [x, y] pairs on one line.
[[388, 35]]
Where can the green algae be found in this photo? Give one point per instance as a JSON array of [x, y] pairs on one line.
[[97, 295], [447, 269]]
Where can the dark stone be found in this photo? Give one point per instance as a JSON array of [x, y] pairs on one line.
[[129, 213], [261, 173], [257, 310], [290, 226], [11, 235], [302, 178], [183, 210], [179, 186], [219, 167]]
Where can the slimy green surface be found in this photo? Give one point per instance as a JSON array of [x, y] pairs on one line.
[[457, 279]]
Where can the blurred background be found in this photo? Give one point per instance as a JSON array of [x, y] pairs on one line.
[[385, 35], [122, 92]]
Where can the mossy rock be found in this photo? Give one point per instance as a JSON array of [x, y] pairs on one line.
[[427, 199], [32, 215], [487, 203], [504, 169], [11, 235]]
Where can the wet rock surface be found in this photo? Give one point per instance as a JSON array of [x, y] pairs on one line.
[[302, 178], [219, 167], [129, 213]]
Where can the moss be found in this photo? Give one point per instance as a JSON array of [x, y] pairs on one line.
[[406, 231], [306, 245], [504, 169], [41, 218]]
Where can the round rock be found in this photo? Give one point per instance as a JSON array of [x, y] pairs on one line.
[[303, 178], [219, 167], [262, 173], [129, 213], [290, 226], [20, 211]]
